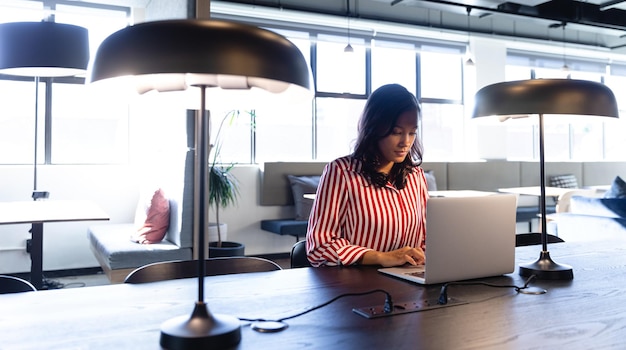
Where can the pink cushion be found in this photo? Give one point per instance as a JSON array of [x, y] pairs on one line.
[[157, 220]]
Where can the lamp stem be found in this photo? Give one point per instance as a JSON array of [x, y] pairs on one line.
[[542, 182], [36, 133], [36, 195], [544, 267], [203, 125], [201, 330]]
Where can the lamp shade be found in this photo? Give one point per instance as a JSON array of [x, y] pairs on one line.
[[175, 54], [43, 49], [545, 96]]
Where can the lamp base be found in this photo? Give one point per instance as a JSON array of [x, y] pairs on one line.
[[546, 269], [201, 330]]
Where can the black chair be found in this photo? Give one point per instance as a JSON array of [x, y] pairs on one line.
[[11, 284], [169, 270], [298, 255], [525, 239]]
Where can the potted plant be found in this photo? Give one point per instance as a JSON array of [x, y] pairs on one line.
[[223, 192]]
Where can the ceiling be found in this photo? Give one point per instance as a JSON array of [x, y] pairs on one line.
[[600, 23]]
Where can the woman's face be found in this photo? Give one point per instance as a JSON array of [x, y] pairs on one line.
[[395, 147]]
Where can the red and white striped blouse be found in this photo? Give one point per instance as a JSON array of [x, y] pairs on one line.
[[350, 216]]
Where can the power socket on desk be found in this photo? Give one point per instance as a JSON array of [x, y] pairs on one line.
[[405, 308]]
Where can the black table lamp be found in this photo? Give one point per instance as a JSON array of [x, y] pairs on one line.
[[42, 50], [206, 54], [545, 97]]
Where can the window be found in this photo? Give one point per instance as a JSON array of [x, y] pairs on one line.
[[443, 115], [615, 130], [71, 130], [337, 123], [78, 128], [284, 131], [443, 131], [441, 74], [394, 63], [87, 129], [339, 71], [17, 121]]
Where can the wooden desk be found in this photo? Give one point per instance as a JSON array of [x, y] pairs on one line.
[[587, 312], [39, 212]]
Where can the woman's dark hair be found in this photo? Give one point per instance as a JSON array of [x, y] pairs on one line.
[[380, 116]]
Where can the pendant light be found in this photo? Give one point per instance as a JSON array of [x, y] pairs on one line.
[[348, 48], [565, 67], [469, 62]]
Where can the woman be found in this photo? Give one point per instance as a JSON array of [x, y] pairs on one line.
[[370, 206]]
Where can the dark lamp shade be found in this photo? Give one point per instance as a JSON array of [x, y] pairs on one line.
[[43, 49], [176, 54], [545, 96]]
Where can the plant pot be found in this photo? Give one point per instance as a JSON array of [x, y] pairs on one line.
[[212, 232], [227, 249]]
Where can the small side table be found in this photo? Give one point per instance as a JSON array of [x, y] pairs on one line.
[[37, 213]]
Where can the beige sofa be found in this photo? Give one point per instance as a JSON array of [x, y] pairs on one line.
[[481, 176]]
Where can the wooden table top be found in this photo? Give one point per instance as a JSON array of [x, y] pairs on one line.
[[26, 212], [587, 312]]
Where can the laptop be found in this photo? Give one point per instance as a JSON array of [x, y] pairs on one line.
[[466, 238]]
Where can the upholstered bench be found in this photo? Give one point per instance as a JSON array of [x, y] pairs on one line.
[[291, 227], [118, 255]]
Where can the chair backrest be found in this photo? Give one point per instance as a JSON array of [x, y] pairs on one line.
[[11, 284], [298, 255], [169, 270], [526, 239]]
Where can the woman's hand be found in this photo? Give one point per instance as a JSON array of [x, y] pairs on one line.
[[398, 257]]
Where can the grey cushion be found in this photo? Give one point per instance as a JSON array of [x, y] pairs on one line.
[[617, 190], [431, 182], [301, 185], [110, 242], [564, 181]]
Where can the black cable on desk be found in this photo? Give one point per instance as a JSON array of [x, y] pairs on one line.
[[264, 325], [443, 295]]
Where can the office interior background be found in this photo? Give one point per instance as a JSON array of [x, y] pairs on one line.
[[103, 146]]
